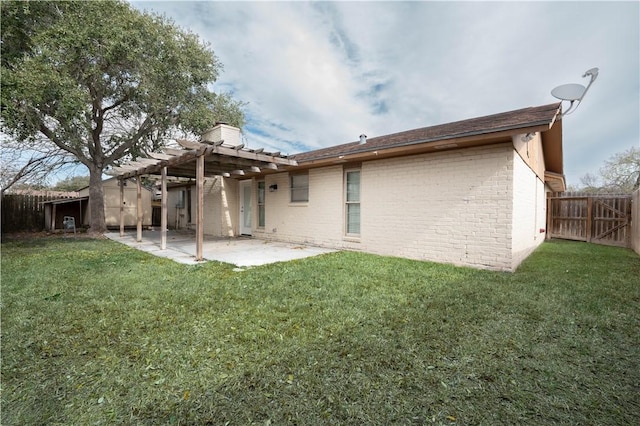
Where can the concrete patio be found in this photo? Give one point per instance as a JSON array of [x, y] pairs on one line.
[[240, 251]]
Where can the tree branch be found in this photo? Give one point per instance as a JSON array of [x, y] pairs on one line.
[[53, 138], [36, 169], [145, 128], [115, 104]]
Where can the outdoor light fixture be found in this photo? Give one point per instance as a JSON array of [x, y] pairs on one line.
[[273, 188], [574, 92], [527, 137]]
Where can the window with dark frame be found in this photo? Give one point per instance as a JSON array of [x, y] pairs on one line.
[[261, 207], [299, 188], [352, 201]]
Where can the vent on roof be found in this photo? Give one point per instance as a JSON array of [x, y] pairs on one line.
[[363, 139]]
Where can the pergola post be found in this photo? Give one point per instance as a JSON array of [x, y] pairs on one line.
[[218, 158], [163, 212], [139, 209], [200, 207], [121, 207]]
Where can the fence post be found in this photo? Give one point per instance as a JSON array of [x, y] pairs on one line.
[[589, 218]]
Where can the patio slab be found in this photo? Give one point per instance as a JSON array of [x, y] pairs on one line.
[[240, 251]]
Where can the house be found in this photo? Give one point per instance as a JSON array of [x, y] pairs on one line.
[[471, 193], [468, 193]]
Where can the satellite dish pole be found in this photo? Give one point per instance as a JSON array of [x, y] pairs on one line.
[[574, 92]]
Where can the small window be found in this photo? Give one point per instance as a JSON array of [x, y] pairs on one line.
[[352, 209], [299, 188], [261, 209]]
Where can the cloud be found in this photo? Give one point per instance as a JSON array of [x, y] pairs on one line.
[[317, 74]]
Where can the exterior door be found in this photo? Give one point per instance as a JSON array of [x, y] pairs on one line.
[[246, 212]]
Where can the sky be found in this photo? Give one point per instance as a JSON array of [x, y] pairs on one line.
[[317, 74]]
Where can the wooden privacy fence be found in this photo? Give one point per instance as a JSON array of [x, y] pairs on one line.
[[24, 212], [601, 219]]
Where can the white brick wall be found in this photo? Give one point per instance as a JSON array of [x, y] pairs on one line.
[[481, 207], [529, 211], [318, 221], [220, 207], [453, 207]]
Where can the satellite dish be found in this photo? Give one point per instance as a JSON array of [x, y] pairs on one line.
[[574, 92], [569, 92]]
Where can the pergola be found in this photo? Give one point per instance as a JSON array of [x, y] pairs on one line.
[[195, 160]]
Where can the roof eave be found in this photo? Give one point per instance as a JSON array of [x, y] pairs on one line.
[[461, 140], [552, 148], [555, 181]]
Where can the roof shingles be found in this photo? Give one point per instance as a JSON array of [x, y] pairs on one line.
[[511, 120]]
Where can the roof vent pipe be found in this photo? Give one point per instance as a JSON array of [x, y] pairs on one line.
[[363, 139]]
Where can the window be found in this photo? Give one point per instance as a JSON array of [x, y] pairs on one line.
[[182, 196], [184, 202], [299, 188], [261, 211], [352, 210]]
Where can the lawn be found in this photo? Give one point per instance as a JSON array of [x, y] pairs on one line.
[[94, 332]]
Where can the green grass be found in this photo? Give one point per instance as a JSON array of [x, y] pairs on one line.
[[97, 333]]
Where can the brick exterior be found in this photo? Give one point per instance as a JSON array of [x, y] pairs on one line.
[[453, 207], [529, 211], [220, 207], [481, 207]]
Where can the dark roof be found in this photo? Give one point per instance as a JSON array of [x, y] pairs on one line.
[[65, 200], [512, 120]]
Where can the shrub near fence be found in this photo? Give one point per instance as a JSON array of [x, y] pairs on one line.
[[25, 212]]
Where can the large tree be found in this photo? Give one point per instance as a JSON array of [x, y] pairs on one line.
[[619, 174], [104, 82]]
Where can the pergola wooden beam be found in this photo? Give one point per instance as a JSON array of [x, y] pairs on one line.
[[200, 208], [232, 152], [139, 211], [121, 184], [163, 211], [161, 156], [198, 160]]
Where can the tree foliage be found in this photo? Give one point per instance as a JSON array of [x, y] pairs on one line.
[[72, 183], [103, 81], [619, 174]]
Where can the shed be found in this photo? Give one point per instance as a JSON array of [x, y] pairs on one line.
[[112, 203], [56, 210]]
